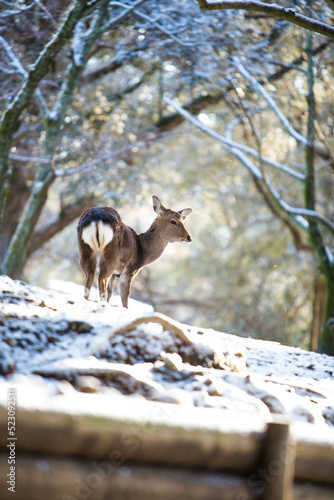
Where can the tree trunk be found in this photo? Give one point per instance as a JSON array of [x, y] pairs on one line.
[[15, 257], [18, 247], [327, 334], [324, 263], [10, 121], [67, 215], [319, 302]]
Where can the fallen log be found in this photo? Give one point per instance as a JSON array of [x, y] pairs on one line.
[[77, 429], [95, 425], [59, 478]]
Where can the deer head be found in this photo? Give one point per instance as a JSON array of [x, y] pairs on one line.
[[170, 223]]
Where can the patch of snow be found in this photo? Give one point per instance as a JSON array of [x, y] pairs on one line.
[[64, 338]]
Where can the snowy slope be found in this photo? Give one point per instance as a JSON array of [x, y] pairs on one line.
[[54, 342]]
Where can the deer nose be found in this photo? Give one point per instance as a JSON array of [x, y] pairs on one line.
[[189, 238]]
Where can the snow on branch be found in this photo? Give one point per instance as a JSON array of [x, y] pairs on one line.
[[273, 10], [232, 144], [77, 43], [157, 25], [19, 68], [12, 12], [47, 13], [164, 30], [87, 167], [299, 214], [285, 122], [127, 9], [29, 159]]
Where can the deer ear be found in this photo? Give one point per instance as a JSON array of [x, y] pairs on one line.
[[185, 212], [157, 205]]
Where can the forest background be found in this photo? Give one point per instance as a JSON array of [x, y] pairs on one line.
[[229, 111]]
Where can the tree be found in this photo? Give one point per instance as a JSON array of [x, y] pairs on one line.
[[95, 124], [85, 35], [307, 219], [85, 21], [288, 14], [315, 220]]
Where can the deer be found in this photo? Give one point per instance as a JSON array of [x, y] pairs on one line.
[[119, 251]]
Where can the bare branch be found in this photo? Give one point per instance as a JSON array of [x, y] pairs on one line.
[[12, 12], [319, 149], [119, 61], [298, 213], [47, 12], [16, 63], [87, 167], [272, 10], [29, 159], [67, 215], [287, 66], [311, 215], [124, 13], [296, 62], [270, 101], [154, 22], [164, 30], [232, 144]]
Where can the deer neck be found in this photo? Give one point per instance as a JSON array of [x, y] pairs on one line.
[[152, 245]]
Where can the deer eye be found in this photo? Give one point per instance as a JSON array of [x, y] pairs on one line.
[[173, 222]]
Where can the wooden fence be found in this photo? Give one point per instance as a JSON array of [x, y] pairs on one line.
[[97, 447]]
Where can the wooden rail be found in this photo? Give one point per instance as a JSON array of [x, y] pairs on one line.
[[82, 447]]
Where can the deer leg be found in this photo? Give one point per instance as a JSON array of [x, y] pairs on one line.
[[125, 287], [88, 265], [110, 287], [107, 268]]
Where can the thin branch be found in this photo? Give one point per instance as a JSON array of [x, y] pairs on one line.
[[11, 12], [87, 167], [167, 32], [29, 159], [287, 66], [115, 64], [16, 63], [296, 62], [296, 135], [7, 71], [164, 30], [311, 215], [272, 10], [319, 149], [66, 216], [298, 213], [47, 12], [124, 13], [232, 144]]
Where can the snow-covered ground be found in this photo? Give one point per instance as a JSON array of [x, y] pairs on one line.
[[54, 342]]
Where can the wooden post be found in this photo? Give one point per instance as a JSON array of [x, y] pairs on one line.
[[278, 463]]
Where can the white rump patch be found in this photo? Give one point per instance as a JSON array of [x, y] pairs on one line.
[[106, 234], [97, 235]]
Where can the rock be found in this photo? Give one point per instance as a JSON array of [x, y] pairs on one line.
[[173, 361], [328, 414], [173, 396], [7, 363], [11, 341], [80, 326], [87, 384]]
